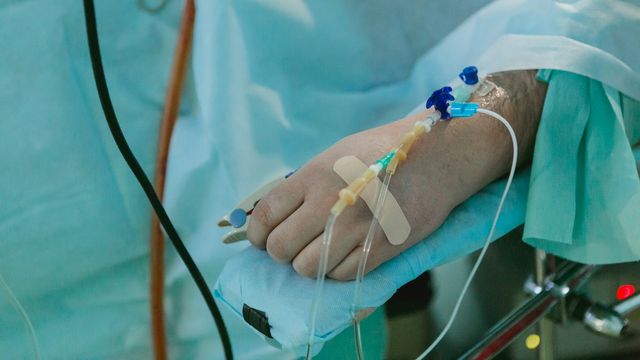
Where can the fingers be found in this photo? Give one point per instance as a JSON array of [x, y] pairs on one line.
[[289, 223], [295, 232], [347, 235], [272, 209], [348, 267]]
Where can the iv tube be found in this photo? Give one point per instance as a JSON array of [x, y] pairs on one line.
[[366, 248], [23, 315], [322, 271], [514, 162], [346, 197]]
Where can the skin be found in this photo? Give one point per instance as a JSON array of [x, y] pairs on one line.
[[445, 167]]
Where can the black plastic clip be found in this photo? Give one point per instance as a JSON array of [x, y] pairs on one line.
[[258, 319]]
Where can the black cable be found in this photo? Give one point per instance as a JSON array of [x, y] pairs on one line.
[[127, 154]]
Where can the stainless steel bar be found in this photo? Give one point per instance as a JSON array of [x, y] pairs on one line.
[[629, 305], [570, 276], [545, 350]]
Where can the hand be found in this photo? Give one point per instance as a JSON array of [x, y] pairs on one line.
[[446, 166]]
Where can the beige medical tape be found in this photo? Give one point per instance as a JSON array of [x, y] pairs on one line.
[[392, 219]]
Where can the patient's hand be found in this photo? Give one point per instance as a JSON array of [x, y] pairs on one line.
[[446, 166]]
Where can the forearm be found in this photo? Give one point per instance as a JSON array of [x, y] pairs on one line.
[[520, 99], [447, 165], [461, 156]]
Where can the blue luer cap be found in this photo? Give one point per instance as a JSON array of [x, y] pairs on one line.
[[237, 218], [469, 75]]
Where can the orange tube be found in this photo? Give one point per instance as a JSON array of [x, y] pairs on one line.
[[169, 116]]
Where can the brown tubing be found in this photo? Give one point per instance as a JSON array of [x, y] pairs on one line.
[[169, 116]]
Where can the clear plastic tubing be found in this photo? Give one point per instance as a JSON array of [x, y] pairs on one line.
[[427, 124], [514, 162], [462, 93], [23, 315], [346, 198], [322, 271], [362, 264]]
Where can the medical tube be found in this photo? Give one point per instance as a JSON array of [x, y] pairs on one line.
[[366, 248], [400, 154], [120, 140], [23, 315], [322, 271], [346, 197], [514, 162], [471, 84]]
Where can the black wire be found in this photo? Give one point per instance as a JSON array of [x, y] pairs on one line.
[[127, 154]]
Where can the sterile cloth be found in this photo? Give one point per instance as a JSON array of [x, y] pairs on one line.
[[584, 201], [592, 38], [74, 225], [253, 278]]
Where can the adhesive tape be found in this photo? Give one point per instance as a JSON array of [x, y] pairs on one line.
[[392, 220]]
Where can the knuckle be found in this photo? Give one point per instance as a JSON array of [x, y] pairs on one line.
[[343, 274], [262, 213], [305, 267], [277, 248], [254, 240]]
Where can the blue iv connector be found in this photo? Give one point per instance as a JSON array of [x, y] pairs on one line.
[[459, 109], [440, 100]]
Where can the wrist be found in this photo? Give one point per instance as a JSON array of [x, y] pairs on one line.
[[460, 157], [519, 98], [473, 153]]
